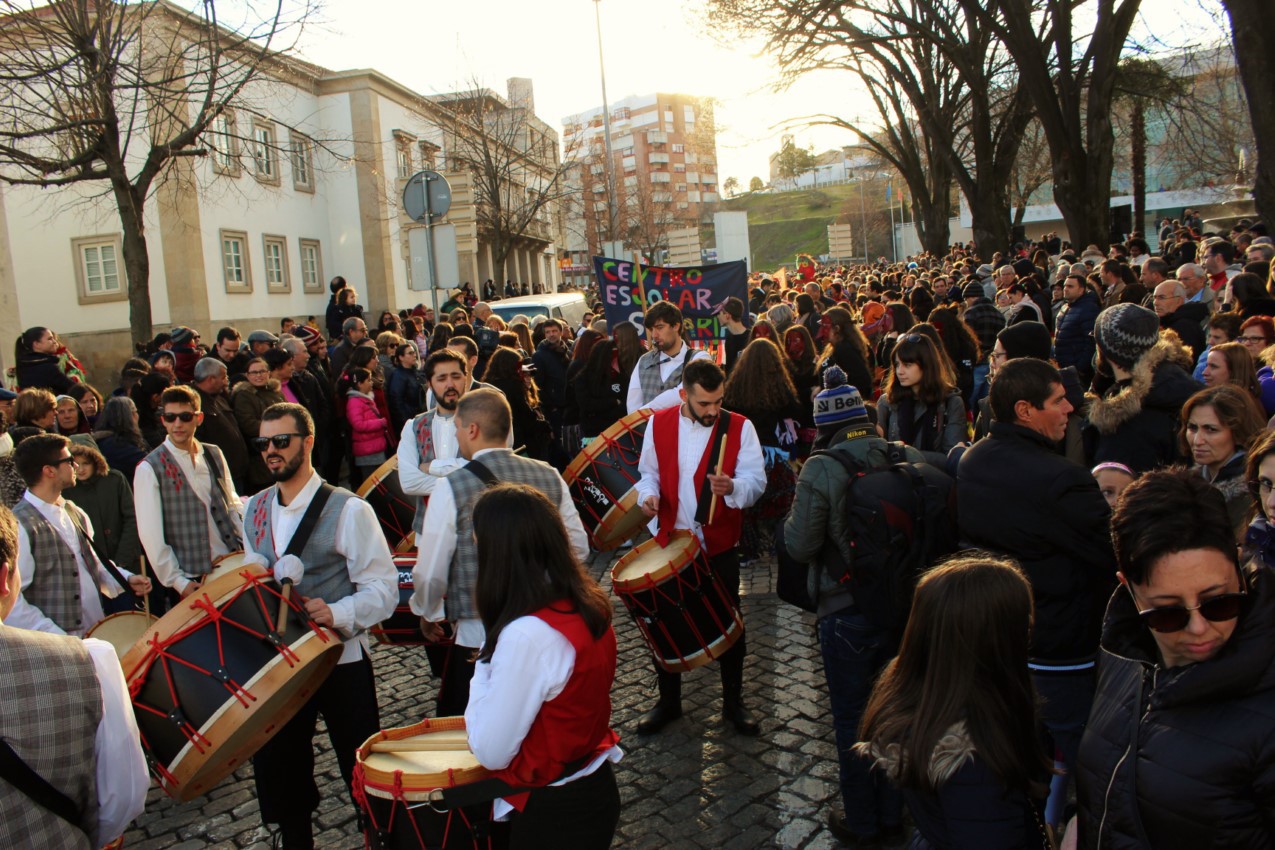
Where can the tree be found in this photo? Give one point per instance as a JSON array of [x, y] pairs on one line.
[[1031, 170], [1253, 34], [1141, 84], [755, 185], [512, 159], [731, 186], [120, 95], [793, 161]]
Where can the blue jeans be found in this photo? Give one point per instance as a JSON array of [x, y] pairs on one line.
[[854, 652], [1066, 699]]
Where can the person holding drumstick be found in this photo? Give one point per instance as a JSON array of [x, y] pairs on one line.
[[700, 467], [539, 709], [188, 514]]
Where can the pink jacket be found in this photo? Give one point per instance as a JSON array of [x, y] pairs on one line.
[[367, 427]]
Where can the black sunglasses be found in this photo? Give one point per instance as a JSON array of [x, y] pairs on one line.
[[1174, 618], [280, 441], [185, 416], [62, 460]]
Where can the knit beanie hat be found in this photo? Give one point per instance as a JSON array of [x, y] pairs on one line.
[[973, 289], [182, 335], [1125, 332], [308, 335], [838, 403], [1025, 339]]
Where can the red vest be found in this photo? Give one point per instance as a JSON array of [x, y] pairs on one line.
[[723, 532], [577, 722]]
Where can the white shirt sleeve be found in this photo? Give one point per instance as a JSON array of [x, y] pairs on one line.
[[648, 466], [367, 556], [122, 779], [531, 665], [634, 398], [410, 477], [750, 470], [25, 615], [434, 554], [150, 528], [571, 521]]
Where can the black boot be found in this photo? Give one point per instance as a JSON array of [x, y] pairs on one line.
[[668, 709], [733, 711]]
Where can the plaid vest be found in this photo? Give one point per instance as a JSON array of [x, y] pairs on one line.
[[185, 517], [326, 575], [422, 427], [466, 488], [50, 717], [55, 587], [648, 369]]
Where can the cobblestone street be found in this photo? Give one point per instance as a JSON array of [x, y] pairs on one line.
[[697, 784]]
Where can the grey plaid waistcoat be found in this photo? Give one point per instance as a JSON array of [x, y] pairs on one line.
[[466, 488], [648, 368], [423, 428], [185, 518], [50, 717], [327, 576], [55, 587]]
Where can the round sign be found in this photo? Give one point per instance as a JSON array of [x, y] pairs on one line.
[[427, 191]]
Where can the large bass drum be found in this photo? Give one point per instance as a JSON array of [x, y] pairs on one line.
[[602, 479], [394, 509]]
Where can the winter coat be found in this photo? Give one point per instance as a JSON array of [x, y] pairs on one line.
[[221, 429], [1188, 323], [953, 426], [858, 371], [551, 375], [1073, 338], [1136, 420], [1230, 482], [1018, 497], [108, 501], [120, 453], [970, 808], [336, 316], [184, 359], [1072, 446], [36, 370], [598, 406], [248, 403], [1193, 758], [368, 430], [405, 395]]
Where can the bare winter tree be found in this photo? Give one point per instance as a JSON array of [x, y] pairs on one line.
[[120, 95], [1031, 169]]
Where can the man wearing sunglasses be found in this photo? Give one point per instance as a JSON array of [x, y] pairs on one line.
[[1186, 690], [63, 579], [188, 514], [348, 583]]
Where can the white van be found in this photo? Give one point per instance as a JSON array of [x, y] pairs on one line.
[[570, 307]]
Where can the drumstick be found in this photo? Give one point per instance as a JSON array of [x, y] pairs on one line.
[[284, 594], [146, 598], [419, 745], [721, 461]]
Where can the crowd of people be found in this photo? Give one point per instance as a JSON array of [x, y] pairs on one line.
[[1096, 426]]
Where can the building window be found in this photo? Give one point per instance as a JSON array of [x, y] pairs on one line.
[[679, 167], [97, 269], [403, 154], [265, 151], [234, 261], [679, 148], [429, 156], [225, 144], [302, 162], [275, 251], [311, 265]]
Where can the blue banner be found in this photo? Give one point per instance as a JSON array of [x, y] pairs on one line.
[[698, 291]]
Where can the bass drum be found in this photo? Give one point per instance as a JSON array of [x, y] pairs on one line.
[[122, 630], [602, 481], [394, 509]]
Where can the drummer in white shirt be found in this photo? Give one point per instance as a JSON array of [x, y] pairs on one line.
[[657, 378]]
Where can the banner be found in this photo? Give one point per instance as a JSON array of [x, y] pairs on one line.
[[698, 291]]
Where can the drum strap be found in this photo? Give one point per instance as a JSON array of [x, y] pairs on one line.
[[714, 449], [23, 777], [486, 790], [309, 520], [97, 550], [484, 474]]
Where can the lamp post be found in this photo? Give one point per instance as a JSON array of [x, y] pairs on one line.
[[606, 126]]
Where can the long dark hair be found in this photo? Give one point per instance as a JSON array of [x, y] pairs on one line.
[[597, 375], [936, 373], [759, 384], [525, 563], [504, 370], [963, 658], [959, 341], [628, 347]]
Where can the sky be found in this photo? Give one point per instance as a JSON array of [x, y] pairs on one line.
[[649, 46]]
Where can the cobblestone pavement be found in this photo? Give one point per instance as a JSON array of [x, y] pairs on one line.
[[695, 785]]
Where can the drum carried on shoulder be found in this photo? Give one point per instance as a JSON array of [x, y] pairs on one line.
[[394, 509], [602, 480]]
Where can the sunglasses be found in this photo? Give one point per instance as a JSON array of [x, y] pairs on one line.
[[1174, 618], [62, 460], [279, 441], [185, 416]]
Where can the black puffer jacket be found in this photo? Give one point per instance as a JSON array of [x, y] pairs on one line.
[[35, 370], [1016, 495], [1136, 421], [1203, 772]]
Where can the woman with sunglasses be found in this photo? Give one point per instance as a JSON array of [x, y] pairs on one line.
[[249, 399], [1179, 750], [920, 404]]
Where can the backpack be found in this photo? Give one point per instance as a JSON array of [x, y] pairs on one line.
[[900, 519]]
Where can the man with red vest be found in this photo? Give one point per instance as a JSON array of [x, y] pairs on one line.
[[677, 487]]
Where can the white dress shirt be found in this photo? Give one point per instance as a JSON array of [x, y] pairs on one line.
[[692, 442], [367, 556], [668, 398], [446, 460], [93, 576], [149, 503], [531, 665], [438, 543]]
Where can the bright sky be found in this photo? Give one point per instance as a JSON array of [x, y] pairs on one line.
[[650, 46]]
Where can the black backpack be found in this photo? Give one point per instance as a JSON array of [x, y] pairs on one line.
[[900, 519]]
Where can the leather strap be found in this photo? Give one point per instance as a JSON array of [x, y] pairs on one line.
[[484, 474], [714, 449], [97, 550], [309, 520], [22, 777]]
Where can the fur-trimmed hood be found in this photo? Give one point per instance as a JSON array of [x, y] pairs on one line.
[[953, 750], [1161, 378]]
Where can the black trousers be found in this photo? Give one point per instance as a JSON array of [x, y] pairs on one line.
[[453, 686], [284, 767], [731, 664], [581, 815]]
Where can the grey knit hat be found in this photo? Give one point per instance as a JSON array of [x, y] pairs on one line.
[[1125, 332]]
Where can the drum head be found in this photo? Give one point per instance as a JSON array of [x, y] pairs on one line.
[[225, 565], [435, 754], [649, 563], [123, 630], [395, 510]]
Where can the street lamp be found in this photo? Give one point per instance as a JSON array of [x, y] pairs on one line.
[[606, 126]]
